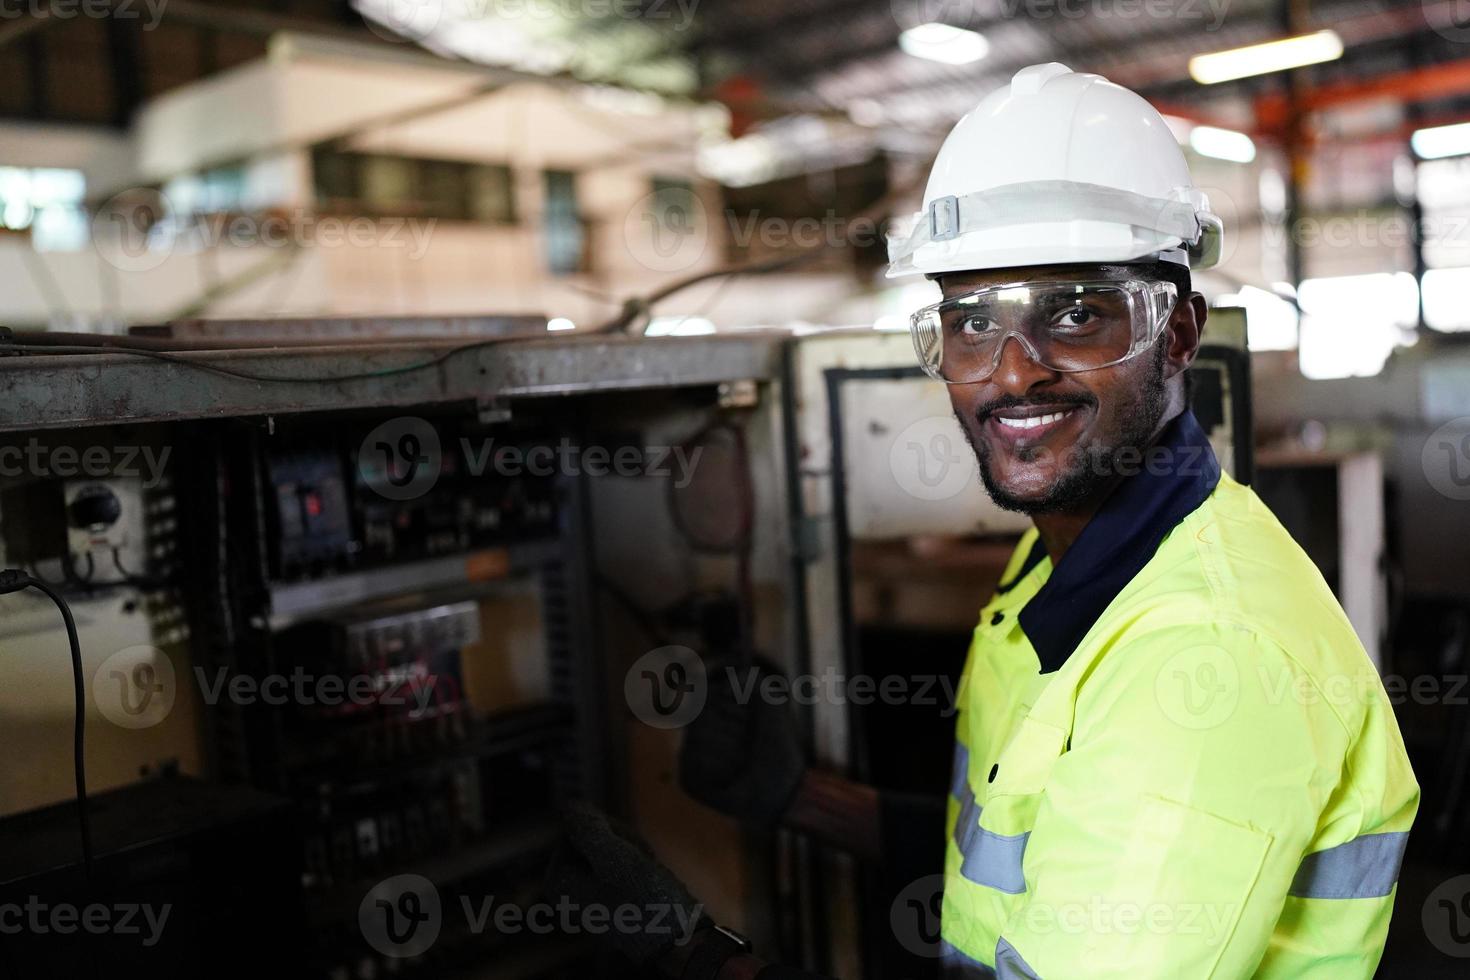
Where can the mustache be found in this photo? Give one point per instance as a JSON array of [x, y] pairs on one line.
[[1011, 401]]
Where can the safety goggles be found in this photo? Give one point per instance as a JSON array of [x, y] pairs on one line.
[[1063, 326]]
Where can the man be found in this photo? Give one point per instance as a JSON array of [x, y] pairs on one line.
[[1173, 757]]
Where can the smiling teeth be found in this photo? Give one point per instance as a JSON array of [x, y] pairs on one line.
[[1030, 423]]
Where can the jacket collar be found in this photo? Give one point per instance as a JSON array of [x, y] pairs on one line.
[[1175, 476]]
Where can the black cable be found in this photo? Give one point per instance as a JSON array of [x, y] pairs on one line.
[[76, 581], [14, 580], [117, 564], [743, 543], [143, 581], [646, 620], [211, 368]]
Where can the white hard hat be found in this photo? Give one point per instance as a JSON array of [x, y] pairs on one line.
[[1055, 168]]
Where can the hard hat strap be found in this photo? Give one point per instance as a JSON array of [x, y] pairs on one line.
[[1041, 201]]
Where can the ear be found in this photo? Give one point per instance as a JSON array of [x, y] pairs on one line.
[[1186, 327]]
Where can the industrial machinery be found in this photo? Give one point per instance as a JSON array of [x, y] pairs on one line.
[[380, 607], [374, 604]]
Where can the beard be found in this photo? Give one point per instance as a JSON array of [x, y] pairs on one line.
[[1088, 471]]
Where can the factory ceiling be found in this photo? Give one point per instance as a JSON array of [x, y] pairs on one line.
[[764, 58]]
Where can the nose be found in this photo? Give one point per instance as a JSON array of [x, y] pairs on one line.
[[1016, 370]]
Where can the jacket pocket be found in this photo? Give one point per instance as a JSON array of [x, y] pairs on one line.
[[1026, 762]]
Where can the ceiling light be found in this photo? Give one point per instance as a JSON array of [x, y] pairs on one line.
[[1261, 59], [1441, 141], [944, 43], [560, 323], [1222, 144]]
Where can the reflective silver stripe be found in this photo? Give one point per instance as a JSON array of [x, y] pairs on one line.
[[965, 825], [1364, 867], [959, 777], [1009, 965], [958, 965], [990, 859], [994, 860]]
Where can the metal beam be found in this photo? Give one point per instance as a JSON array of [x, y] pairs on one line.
[[1167, 76], [47, 391], [125, 54], [36, 63], [1409, 86], [744, 35]]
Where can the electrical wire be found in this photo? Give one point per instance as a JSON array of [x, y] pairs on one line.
[[632, 311], [14, 580], [741, 542], [646, 621], [212, 368], [138, 581]]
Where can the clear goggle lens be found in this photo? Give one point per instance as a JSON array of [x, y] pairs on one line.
[[1063, 326]]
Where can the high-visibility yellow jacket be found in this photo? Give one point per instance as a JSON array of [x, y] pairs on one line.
[[1174, 758]]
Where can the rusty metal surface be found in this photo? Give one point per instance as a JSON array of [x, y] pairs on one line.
[[68, 390]]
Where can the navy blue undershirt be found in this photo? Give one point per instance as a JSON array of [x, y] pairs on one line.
[[1174, 476]]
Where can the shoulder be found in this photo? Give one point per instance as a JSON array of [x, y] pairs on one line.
[[1232, 562], [1230, 594]]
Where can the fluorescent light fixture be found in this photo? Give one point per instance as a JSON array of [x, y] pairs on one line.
[[1262, 59], [560, 323], [1437, 142], [944, 43], [1222, 144]]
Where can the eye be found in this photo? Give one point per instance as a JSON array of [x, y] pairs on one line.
[[975, 324], [1076, 317]]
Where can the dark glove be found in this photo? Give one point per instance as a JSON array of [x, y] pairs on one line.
[[745, 760], [599, 866]]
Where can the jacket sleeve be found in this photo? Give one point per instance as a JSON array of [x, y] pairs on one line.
[[1169, 832]]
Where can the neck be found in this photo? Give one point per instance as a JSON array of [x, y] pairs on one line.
[[1059, 530]]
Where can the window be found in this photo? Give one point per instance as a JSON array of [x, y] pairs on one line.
[[384, 185], [1351, 324], [220, 190], [47, 202], [387, 185], [1444, 194], [1271, 321], [1444, 299], [488, 195], [564, 238]]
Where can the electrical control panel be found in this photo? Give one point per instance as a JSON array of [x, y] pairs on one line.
[[334, 506]]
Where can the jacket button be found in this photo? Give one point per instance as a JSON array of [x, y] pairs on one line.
[[996, 618], [994, 770]]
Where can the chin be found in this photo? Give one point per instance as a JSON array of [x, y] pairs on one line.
[[1040, 491], [1022, 496]]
